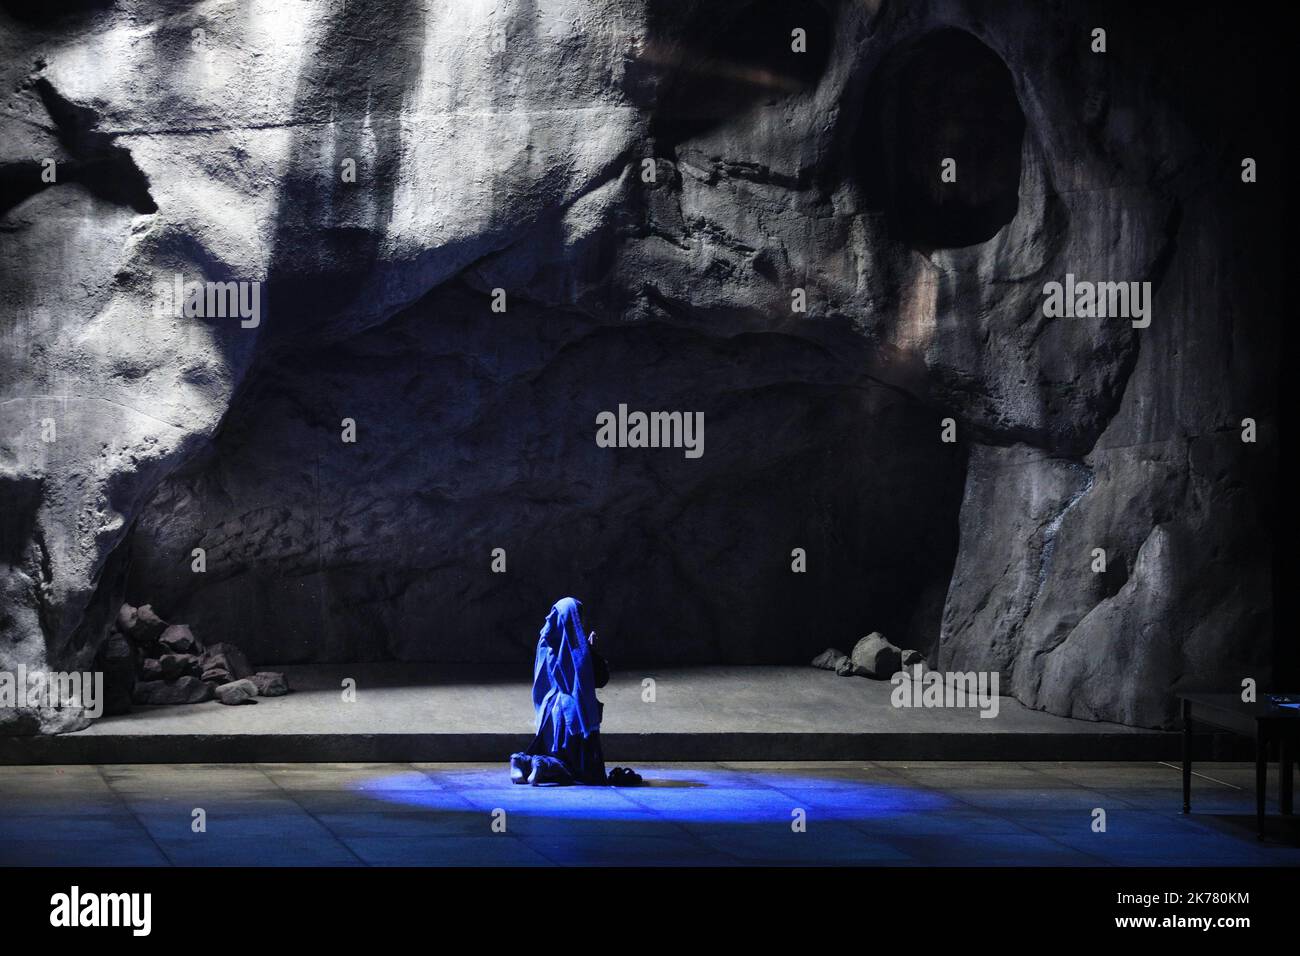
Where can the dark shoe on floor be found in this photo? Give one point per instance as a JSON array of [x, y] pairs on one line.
[[624, 777], [521, 765]]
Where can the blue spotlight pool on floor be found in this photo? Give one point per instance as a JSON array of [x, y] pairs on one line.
[[841, 813], [675, 795]]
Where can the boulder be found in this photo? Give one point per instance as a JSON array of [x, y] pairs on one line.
[[238, 692], [126, 619], [150, 669], [179, 639], [179, 665], [223, 663], [874, 656], [148, 626], [183, 690], [270, 684], [913, 657], [829, 659]]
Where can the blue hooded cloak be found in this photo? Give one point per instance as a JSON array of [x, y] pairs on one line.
[[566, 673]]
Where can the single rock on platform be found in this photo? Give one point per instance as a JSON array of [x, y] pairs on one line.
[[829, 659], [270, 684], [238, 692], [223, 663], [874, 656]]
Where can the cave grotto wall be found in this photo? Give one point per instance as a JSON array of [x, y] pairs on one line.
[[504, 146]]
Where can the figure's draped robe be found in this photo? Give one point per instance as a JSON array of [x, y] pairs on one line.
[[566, 674]]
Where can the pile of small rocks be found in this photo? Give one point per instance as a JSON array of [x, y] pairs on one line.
[[148, 661], [873, 656]]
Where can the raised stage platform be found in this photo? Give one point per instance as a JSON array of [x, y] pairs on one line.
[[408, 712]]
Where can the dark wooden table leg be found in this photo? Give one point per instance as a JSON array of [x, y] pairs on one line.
[[1187, 756], [1286, 768], [1261, 773]]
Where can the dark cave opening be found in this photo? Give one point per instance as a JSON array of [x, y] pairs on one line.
[[945, 96], [324, 553], [747, 57]]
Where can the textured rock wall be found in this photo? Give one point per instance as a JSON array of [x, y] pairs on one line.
[[476, 432], [503, 145], [1184, 509]]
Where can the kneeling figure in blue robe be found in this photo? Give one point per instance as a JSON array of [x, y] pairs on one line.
[[566, 672]]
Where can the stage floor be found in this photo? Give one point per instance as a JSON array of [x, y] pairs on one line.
[[418, 712], [886, 813]]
